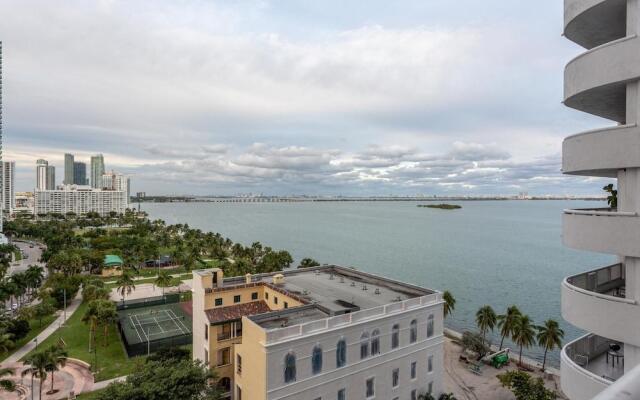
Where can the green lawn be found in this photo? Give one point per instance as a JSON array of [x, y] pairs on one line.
[[36, 328], [112, 359], [90, 395]]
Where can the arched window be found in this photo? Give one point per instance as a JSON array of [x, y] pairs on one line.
[[413, 331], [364, 345], [316, 360], [289, 368], [375, 342], [430, 325], [395, 336], [224, 384], [341, 353]]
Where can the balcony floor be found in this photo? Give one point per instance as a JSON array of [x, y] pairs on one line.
[[599, 366]]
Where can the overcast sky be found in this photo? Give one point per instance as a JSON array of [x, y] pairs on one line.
[[294, 97]]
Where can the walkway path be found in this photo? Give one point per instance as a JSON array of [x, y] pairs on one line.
[[103, 384], [48, 331]]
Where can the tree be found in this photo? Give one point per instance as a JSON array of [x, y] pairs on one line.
[[7, 384], [524, 334], [507, 322], [125, 285], [549, 337], [90, 318], [308, 263], [447, 396], [43, 309], [107, 316], [612, 199], [475, 342], [37, 368], [426, 396], [524, 387], [6, 342], [18, 328], [449, 303], [56, 358], [185, 380], [486, 320], [163, 280]]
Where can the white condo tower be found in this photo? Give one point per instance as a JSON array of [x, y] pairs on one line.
[[604, 81]]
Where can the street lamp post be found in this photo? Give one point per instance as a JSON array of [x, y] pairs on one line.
[[36, 342]]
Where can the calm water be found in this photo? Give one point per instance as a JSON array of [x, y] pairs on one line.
[[489, 252]]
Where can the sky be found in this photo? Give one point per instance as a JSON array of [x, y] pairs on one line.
[[327, 97]]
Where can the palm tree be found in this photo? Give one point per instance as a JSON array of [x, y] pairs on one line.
[[486, 319], [163, 280], [107, 316], [6, 342], [125, 285], [449, 303], [6, 384], [38, 368], [524, 334], [506, 323], [549, 337], [90, 318], [56, 358]]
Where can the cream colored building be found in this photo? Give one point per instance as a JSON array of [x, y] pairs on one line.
[[605, 301], [318, 333], [79, 200]]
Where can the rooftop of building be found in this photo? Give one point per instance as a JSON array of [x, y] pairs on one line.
[[237, 311], [327, 290]]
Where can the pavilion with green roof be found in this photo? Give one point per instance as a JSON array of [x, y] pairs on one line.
[[112, 265]]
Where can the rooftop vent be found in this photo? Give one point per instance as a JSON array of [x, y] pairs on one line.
[[377, 291], [278, 279]]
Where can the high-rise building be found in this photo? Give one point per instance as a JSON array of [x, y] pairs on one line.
[[41, 174], [605, 301], [116, 181], [51, 177], [79, 173], [69, 174], [79, 200], [326, 332], [8, 189], [97, 170], [3, 239]]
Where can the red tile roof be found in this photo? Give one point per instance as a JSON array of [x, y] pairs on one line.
[[230, 313]]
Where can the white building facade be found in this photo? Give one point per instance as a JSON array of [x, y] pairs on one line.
[[41, 174], [116, 181], [604, 81], [8, 187], [79, 200]]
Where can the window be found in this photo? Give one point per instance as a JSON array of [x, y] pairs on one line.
[[224, 356], [289, 368], [266, 295], [430, 364], [206, 357], [364, 345], [224, 331], [430, 325], [286, 305], [375, 342], [238, 329], [224, 385], [395, 377], [239, 364], [395, 336], [413, 331], [341, 353], [414, 367], [275, 299], [236, 298], [239, 397], [206, 332], [316, 360], [370, 387], [414, 395], [430, 388], [342, 394], [218, 301], [254, 296]]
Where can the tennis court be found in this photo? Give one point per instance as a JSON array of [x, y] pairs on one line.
[[150, 328]]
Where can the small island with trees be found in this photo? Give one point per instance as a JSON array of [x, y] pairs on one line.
[[442, 206]]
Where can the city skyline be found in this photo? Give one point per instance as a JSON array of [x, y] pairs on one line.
[[372, 103]]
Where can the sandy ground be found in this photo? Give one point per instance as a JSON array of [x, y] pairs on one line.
[[466, 385], [144, 290]]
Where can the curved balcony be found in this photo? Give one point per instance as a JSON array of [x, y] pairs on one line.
[[595, 81], [602, 230], [591, 23], [602, 152], [595, 301], [587, 366]]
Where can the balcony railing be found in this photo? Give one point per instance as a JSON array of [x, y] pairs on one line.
[[609, 280], [595, 356]]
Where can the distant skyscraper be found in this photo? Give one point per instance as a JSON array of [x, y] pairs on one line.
[[2, 237], [41, 174], [97, 170], [51, 177], [8, 189], [69, 175], [115, 181], [79, 173]]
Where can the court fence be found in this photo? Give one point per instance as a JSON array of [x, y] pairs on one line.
[[148, 301]]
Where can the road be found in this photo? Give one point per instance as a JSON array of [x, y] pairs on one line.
[[32, 258]]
